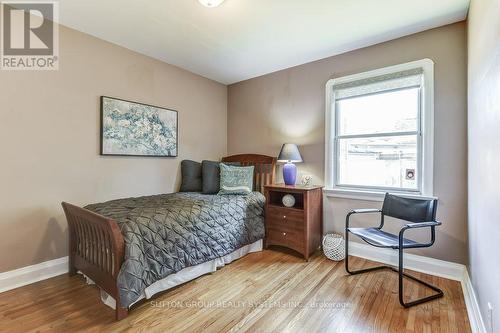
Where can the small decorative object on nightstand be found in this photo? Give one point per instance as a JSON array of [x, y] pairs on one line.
[[288, 200], [306, 180], [300, 227], [289, 154]]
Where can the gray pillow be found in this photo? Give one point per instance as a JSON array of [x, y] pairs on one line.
[[235, 180], [191, 176], [210, 172]]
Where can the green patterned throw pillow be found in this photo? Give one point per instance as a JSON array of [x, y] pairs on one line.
[[235, 179]]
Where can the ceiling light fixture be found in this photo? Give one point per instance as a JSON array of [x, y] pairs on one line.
[[210, 3]]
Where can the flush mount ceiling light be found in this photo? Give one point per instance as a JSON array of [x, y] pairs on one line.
[[210, 3]]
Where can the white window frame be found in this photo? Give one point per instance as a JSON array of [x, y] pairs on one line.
[[425, 139]]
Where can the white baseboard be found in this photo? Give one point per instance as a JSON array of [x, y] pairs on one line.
[[30, 274], [473, 311], [441, 268]]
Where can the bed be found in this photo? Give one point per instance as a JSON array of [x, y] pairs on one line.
[[136, 247]]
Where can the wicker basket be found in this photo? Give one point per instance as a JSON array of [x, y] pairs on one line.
[[334, 246]]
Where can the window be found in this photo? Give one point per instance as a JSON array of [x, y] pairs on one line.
[[380, 131]]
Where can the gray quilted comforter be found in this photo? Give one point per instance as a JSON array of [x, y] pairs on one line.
[[166, 233]]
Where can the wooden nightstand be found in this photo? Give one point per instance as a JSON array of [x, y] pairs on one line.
[[299, 227]]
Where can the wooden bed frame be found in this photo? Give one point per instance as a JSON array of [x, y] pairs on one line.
[[96, 245]]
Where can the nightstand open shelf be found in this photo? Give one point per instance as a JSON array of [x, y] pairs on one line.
[[300, 227], [276, 199]]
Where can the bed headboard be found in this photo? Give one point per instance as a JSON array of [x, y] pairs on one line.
[[264, 168]]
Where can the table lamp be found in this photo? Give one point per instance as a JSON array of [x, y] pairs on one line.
[[289, 154]]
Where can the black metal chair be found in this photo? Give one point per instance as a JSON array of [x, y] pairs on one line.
[[422, 214]]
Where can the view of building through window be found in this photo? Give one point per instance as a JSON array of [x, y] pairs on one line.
[[378, 139]]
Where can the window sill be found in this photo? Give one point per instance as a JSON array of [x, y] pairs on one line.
[[369, 195]]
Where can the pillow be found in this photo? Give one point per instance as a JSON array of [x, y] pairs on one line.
[[210, 172], [191, 176], [235, 180]]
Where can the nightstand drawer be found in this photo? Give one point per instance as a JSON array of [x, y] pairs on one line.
[[289, 238], [279, 217]]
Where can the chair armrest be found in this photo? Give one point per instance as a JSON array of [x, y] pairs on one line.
[[364, 211], [368, 210], [430, 224], [423, 224]]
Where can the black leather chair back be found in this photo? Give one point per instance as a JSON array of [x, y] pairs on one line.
[[413, 210]]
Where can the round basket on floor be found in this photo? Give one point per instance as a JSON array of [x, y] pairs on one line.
[[334, 246]]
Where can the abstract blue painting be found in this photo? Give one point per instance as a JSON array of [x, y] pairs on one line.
[[136, 129]]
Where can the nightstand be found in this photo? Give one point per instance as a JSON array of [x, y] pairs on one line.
[[300, 227]]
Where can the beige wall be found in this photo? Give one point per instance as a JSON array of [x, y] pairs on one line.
[[484, 155], [49, 139], [289, 106]]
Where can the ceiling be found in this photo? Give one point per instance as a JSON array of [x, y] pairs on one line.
[[242, 39]]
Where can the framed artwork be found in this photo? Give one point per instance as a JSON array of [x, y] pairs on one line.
[[136, 129]]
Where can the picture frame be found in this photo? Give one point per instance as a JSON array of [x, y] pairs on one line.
[[131, 128]]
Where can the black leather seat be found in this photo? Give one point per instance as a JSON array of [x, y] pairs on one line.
[[420, 212], [380, 238]]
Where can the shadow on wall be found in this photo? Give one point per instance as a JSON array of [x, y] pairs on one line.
[[55, 239], [314, 161]]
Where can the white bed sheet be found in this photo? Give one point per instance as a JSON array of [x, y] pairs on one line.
[[186, 274]]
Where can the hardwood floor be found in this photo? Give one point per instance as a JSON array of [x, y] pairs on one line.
[[270, 291]]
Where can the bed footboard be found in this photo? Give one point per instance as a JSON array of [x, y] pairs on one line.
[[96, 248]]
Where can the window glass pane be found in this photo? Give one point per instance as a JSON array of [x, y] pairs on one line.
[[379, 162], [387, 112]]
